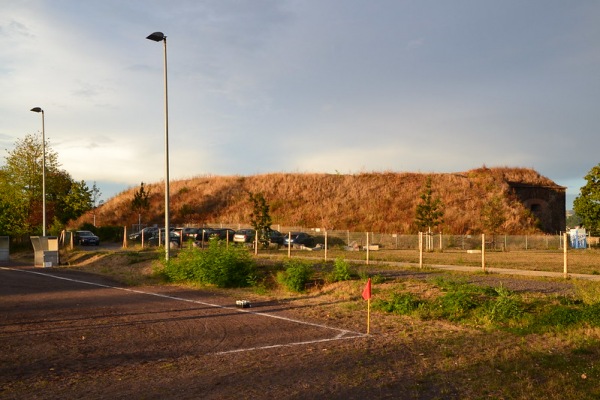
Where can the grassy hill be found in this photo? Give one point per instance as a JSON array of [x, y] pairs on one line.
[[376, 201]]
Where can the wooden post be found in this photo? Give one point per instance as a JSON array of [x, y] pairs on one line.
[[565, 244], [289, 244], [325, 245], [367, 248], [420, 249], [255, 242], [441, 241], [483, 252], [124, 237]]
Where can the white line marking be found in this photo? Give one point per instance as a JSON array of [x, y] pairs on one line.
[[341, 336]]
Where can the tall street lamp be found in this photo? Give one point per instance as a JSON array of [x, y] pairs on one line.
[[160, 37], [39, 110]]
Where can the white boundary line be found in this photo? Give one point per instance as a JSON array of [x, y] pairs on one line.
[[340, 336]]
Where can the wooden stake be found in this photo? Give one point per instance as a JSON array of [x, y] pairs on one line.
[[483, 252], [420, 249]]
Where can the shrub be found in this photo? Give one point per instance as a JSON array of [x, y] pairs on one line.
[[217, 265], [401, 303], [341, 270], [504, 307], [297, 273]]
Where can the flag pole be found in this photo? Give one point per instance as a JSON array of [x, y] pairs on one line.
[[366, 294], [368, 315]]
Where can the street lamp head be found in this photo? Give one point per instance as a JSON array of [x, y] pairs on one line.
[[157, 36], [37, 109]]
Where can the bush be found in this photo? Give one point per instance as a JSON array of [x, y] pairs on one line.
[[401, 303], [216, 265], [296, 275], [341, 270]]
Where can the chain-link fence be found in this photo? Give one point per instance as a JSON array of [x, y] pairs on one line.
[[432, 241]]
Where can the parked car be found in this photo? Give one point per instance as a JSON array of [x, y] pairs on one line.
[[85, 238], [160, 234], [247, 236], [189, 233], [299, 238], [244, 236], [148, 233], [276, 237], [203, 234], [223, 234]]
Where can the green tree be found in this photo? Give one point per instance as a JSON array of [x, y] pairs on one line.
[[21, 187], [587, 204], [140, 202], [260, 218], [493, 217], [76, 202], [430, 211]]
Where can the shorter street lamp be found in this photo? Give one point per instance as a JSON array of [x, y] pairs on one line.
[[39, 110]]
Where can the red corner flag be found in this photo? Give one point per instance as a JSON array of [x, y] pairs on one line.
[[366, 294]]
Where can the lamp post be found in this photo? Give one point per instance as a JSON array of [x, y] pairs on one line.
[[160, 37], [39, 110]]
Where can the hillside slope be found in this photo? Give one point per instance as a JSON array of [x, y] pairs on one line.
[[377, 202]]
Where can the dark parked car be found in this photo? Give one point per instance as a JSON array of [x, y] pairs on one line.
[[299, 238], [203, 234], [276, 237], [189, 233], [223, 233], [86, 238], [173, 238], [148, 233]]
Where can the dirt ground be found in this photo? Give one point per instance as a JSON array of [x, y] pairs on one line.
[[68, 334]]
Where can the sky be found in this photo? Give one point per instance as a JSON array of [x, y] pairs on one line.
[[300, 86]]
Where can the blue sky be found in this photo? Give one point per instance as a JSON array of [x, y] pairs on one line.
[[304, 86]]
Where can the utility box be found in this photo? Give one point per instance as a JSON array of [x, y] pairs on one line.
[[45, 251], [4, 248]]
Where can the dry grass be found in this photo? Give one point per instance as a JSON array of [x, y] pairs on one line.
[[376, 202]]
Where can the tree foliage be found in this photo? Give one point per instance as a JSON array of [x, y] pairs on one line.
[[21, 189], [587, 204], [260, 218], [141, 200], [430, 211], [493, 215]]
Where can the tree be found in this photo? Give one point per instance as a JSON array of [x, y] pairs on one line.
[[260, 218], [96, 194], [140, 202], [587, 204], [21, 187], [493, 217], [76, 202], [429, 213]]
